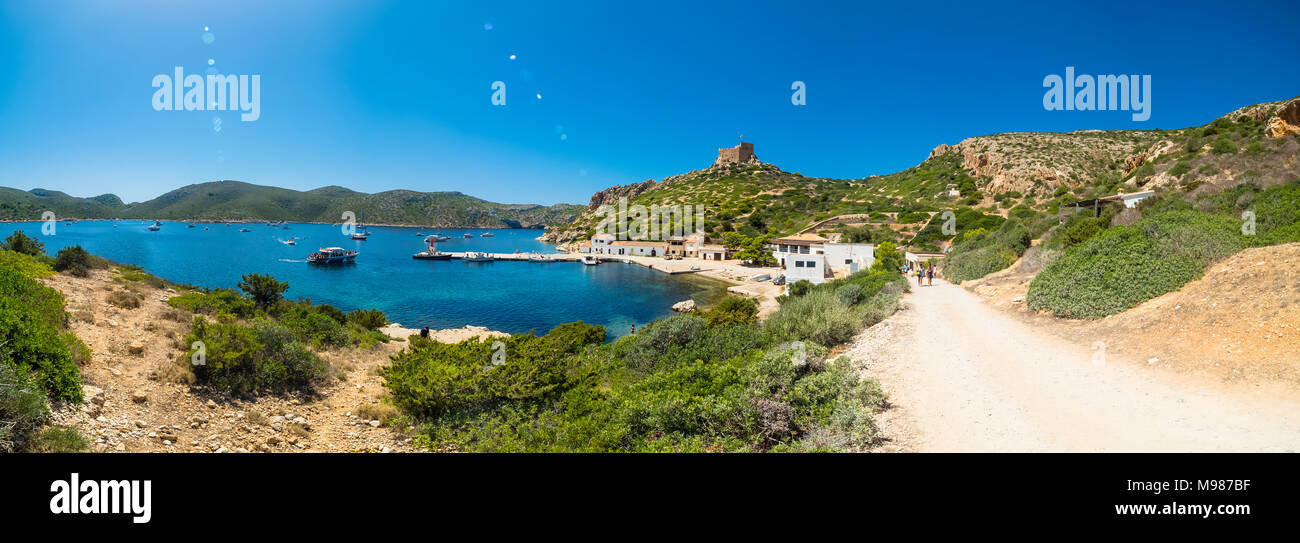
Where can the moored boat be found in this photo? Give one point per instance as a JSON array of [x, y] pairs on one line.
[[432, 253], [468, 235], [478, 257], [331, 255], [590, 260], [487, 234], [537, 257]]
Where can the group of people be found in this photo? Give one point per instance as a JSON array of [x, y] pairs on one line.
[[924, 274]]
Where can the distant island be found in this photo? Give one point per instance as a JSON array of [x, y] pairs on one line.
[[235, 201]]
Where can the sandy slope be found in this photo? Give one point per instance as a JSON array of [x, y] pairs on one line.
[[963, 376]]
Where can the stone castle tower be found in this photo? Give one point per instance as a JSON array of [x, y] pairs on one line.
[[740, 154]]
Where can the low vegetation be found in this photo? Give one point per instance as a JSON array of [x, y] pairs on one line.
[[1116, 268], [716, 382]]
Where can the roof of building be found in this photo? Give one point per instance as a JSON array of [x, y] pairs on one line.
[[713, 248], [624, 243], [799, 239]]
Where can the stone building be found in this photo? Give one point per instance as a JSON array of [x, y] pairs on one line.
[[740, 154]]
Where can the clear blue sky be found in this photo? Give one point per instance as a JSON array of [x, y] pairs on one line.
[[377, 95]]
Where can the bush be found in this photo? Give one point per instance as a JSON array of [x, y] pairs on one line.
[[73, 260], [800, 287], [24, 264], [59, 439], [19, 242], [264, 357], [125, 299], [888, 258], [1223, 145], [264, 289], [215, 302], [732, 310], [370, 319], [23, 409], [32, 319], [1127, 265]]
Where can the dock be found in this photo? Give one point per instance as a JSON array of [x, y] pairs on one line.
[[571, 257]]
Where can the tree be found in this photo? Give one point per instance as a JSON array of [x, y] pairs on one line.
[[732, 310], [20, 243], [755, 250], [264, 289], [888, 258]]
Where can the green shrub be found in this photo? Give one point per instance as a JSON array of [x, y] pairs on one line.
[[73, 260], [24, 264], [59, 439], [799, 288], [19, 242], [215, 302], [1223, 145], [264, 289], [23, 409], [888, 258], [1127, 265], [264, 357], [370, 319], [732, 310], [32, 319]]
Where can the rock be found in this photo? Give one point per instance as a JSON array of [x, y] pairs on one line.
[[135, 349], [211, 404], [374, 424], [1285, 122], [139, 396], [1018, 299], [684, 306], [93, 394]]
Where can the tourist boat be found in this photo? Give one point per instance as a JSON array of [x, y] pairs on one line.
[[590, 260], [156, 226], [535, 257], [331, 255], [478, 257], [487, 234], [431, 254]]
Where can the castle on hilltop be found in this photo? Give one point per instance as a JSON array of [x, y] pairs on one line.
[[740, 154]]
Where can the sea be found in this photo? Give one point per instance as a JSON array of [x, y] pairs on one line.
[[514, 297]]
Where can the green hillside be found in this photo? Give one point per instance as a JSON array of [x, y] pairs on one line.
[[234, 200]]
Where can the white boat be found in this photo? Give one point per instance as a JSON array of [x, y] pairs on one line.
[[590, 260], [536, 257], [438, 237], [468, 235], [331, 255], [487, 234], [155, 226], [478, 257]]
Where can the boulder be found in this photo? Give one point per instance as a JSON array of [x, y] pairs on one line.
[[684, 306]]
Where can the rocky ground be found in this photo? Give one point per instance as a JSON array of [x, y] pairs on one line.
[[138, 398]]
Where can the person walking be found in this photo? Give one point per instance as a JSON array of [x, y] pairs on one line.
[[930, 276]]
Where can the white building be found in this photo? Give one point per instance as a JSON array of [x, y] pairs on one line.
[[599, 244], [811, 268], [802, 244], [850, 257]]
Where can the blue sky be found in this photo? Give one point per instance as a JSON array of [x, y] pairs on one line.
[[380, 95]]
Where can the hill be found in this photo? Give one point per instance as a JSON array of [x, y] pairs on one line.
[[234, 200], [1032, 175]]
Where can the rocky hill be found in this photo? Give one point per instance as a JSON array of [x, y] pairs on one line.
[[996, 173], [234, 200]]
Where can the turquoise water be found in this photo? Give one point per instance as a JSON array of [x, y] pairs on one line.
[[508, 296]]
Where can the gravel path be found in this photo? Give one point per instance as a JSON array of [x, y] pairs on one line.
[[962, 376]]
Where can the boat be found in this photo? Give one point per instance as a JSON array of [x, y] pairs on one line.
[[478, 257], [439, 237], [289, 242], [331, 255], [590, 260], [536, 257], [360, 236], [155, 226], [487, 235], [191, 225], [244, 230], [468, 235]]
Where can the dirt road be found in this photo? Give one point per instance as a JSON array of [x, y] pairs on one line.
[[966, 377]]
